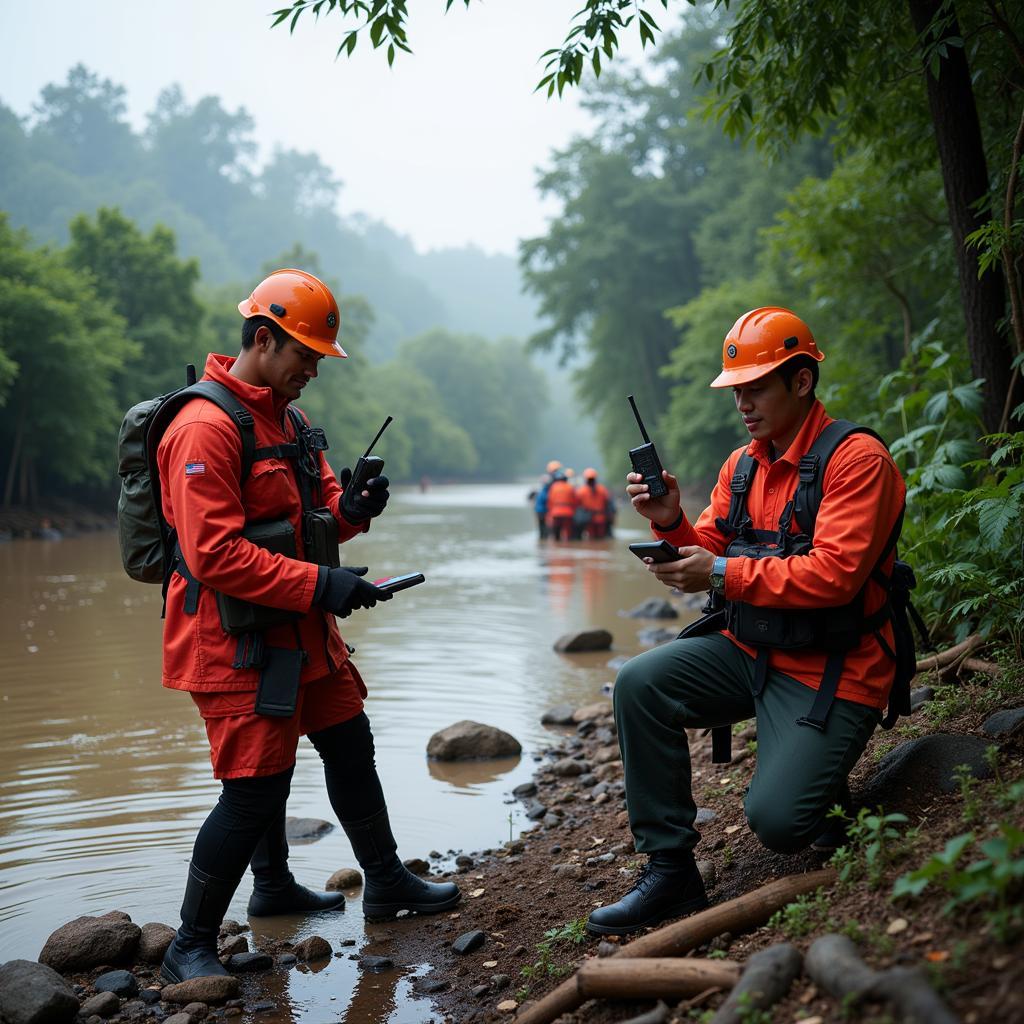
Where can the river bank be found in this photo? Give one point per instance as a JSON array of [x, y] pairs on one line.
[[53, 521], [519, 929]]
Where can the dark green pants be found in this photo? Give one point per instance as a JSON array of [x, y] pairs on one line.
[[708, 681]]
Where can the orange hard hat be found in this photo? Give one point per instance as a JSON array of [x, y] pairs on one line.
[[589, 474], [553, 465], [300, 303], [760, 342]]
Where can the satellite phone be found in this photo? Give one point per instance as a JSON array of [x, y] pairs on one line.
[[645, 459], [368, 466]]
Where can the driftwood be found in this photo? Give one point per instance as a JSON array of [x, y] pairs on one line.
[[740, 914], [652, 978], [658, 1015], [950, 656], [767, 977], [835, 965]]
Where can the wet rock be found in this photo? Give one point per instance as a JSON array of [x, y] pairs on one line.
[[609, 770], [417, 865], [430, 986], [704, 815], [479, 991], [376, 964], [32, 993], [150, 996], [103, 1004], [568, 766], [605, 754], [561, 714], [656, 635], [652, 608], [233, 945], [534, 809], [216, 988], [606, 734], [466, 741], [586, 780], [469, 942], [1003, 722], [344, 878], [306, 830], [707, 871], [153, 942], [287, 959], [551, 820], [920, 696], [314, 948], [200, 1010], [179, 1018], [121, 983], [588, 711], [526, 789], [89, 942], [231, 927], [584, 640], [248, 963], [923, 767], [464, 860]]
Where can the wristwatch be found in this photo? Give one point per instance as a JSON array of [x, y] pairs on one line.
[[717, 578]]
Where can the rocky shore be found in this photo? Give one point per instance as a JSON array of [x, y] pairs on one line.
[[519, 929]]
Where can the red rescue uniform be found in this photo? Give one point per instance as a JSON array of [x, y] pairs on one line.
[[561, 505], [863, 494], [199, 460], [595, 501]]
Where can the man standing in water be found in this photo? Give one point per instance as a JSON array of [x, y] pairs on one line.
[[815, 711], [260, 690]]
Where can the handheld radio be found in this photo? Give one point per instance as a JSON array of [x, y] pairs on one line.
[[645, 459], [368, 466]]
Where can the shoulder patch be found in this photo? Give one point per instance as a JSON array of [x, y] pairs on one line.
[[195, 468]]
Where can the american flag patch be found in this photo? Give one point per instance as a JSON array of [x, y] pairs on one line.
[[195, 468]]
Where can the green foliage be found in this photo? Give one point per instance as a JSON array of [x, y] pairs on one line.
[[572, 933], [801, 917], [871, 845], [991, 883]]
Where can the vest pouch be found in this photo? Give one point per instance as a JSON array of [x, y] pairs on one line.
[[238, 616], [320, 537], [770, 627]]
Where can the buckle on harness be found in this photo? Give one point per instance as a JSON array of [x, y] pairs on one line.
[[738, 484], [244, 418], [809, 468], [315, 439]]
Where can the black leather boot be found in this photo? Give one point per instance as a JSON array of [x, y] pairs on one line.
[[193, 951], [669, 886], [390, 886], [275, 890]]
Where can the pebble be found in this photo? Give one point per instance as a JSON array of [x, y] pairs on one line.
[[469, 942], [525, 790], [500, 981], [480, 990], [234, 944], [315, 947], [346, 878], [377, 964], [150, 996], [489, 963], [567, 870], [428, 987], [179, 1018], [464, 860], [287, 959], [103, 1004], [242, 963], [507, 1005], [897, 925], [121, 983], [200, 1009]]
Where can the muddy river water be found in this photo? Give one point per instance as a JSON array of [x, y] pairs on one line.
[[105, 778]]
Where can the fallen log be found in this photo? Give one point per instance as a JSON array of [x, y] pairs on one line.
[[948, 657], [767, 977], [988, 668], [834, 964], [653, 978], [737, 915]]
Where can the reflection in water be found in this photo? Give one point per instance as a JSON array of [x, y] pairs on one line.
[[104, 775]]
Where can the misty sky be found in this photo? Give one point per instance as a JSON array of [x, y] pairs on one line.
[[444, 147]]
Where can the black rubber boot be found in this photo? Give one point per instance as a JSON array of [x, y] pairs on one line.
[[275, 890], [834, 829], [389, 886], [193, 951], [669, 886]]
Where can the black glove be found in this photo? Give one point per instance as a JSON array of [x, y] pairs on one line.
[[356, 508], [344, 591]]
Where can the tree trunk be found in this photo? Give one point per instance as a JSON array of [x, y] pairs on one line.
[[965, 181]]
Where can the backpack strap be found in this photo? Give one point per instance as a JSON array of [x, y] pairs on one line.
[[739, 486], [807, 499], [232, 405]]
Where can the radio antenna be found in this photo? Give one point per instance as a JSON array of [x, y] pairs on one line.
[[639, 422], [385, 427]]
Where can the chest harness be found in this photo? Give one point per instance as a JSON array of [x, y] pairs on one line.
[[834, 630]]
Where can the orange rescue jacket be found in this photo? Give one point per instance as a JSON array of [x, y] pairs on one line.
[[863, 494], [561, 500], [594, 500], [199, 459]]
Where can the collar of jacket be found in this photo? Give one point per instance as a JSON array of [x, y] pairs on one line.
[[817, 420], [261, 401]]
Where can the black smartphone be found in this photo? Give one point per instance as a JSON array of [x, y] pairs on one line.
[[395, 583], [658, 550]]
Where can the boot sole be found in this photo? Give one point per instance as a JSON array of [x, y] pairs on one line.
[[680, 910], [389, 911]]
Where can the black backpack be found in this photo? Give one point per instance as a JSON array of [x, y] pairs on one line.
[[897, 609], [147, 541]]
